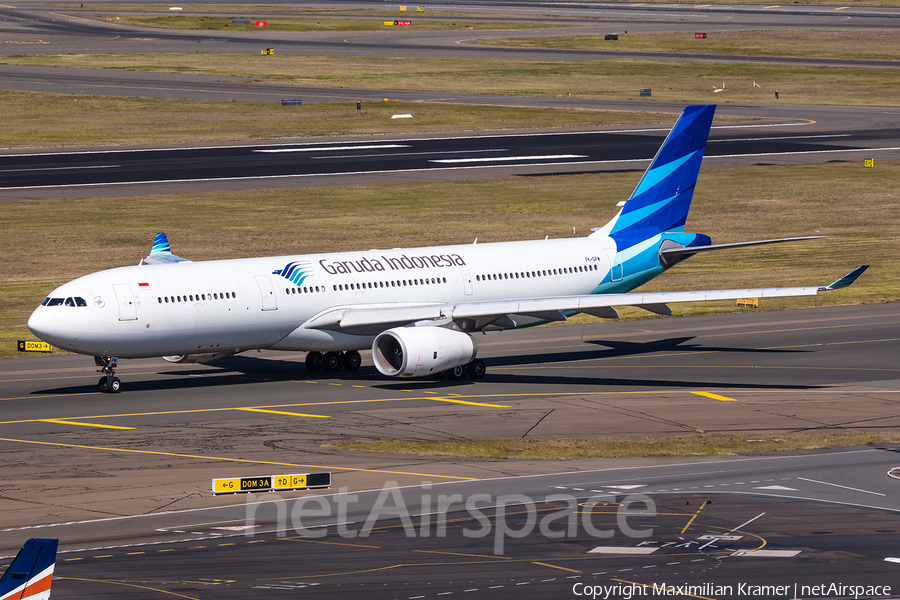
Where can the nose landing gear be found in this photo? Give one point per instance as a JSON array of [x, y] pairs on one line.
[[109, 383]]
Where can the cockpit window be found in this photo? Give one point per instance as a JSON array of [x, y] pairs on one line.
[[55, 302], [46, 300], [70, 302], [80, 301]]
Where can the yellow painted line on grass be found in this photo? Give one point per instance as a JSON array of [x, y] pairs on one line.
[[226, 459], [715, 396], [669, 590], [555, 567], [281, 412], [455, 401], [61, 422]]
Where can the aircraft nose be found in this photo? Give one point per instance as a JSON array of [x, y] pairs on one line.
[[40, 323], [49, 326]]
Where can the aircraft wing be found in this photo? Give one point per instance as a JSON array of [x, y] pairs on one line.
[[472, 316]]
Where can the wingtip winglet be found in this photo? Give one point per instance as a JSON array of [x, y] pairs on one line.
[[847, 279], [161, 245]]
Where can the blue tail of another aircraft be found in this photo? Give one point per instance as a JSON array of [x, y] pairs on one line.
[[31, 572], [662, 198]]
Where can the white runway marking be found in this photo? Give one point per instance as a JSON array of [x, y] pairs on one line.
[[62, 168], [622, 550], [502, 158], [331, 148], [842, 486]]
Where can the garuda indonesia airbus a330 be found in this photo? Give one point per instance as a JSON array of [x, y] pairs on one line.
[[415, 307]]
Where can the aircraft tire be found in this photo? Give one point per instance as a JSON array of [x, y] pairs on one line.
[[352, 360], [114, 386], [456, 373], [477, 369], [314, 361], [101, 385], [333, 361]]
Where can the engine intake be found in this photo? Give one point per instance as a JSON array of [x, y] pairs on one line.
[[421, 351]]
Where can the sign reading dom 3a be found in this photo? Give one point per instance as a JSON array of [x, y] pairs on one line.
[[281, 483], [31, 346]]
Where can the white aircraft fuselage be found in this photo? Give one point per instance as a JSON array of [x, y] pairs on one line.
[[230, 306]]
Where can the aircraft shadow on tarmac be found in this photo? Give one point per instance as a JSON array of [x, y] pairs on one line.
[[248, 369], [619, 348]]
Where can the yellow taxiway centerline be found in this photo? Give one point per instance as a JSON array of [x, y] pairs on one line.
[[61, 422], [281, 412], [512, 396], [715, 396], [455, 401]]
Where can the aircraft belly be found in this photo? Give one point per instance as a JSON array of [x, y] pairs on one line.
[[322, 340]]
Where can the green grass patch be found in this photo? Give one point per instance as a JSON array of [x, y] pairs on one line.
[[47, 119], [215, 23], [48, 242], [700, 444], [254, 9], [803, 43], [612, 79]]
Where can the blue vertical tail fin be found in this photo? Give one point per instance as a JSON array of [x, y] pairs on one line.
[[31, 572], [662, 198]]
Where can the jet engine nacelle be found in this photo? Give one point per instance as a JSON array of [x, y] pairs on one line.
[[197, 358], [421, 351]]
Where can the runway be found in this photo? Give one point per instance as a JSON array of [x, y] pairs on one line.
[[763, 140]]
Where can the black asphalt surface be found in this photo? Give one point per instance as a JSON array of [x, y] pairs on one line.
[[585, 150], [727, 527], [410, 154]]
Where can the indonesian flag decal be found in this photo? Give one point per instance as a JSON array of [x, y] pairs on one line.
[[144, 286]]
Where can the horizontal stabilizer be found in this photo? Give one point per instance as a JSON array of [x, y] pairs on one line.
[[678, 253]]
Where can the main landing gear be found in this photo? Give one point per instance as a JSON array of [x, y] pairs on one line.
[[474, 370], [333, 361], [109, 383]]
